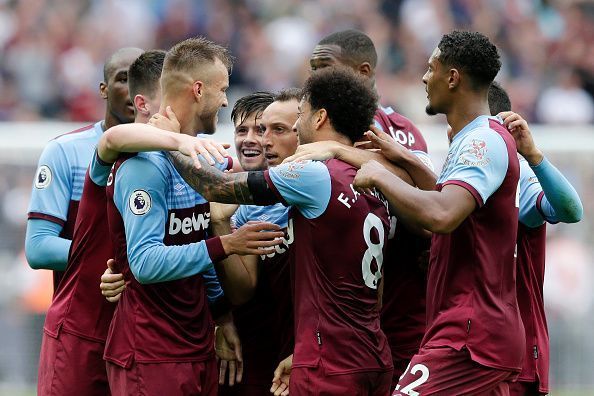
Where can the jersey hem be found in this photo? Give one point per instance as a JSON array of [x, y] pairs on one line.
[[133, 360]]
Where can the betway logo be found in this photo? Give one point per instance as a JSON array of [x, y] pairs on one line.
[[188, 224], [280, 249]]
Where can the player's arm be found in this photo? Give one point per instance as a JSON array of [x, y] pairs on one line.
[[48, 211], [305, 185], [468, 186], [238, 274], [139, 195], [136, 137], [545, 194]]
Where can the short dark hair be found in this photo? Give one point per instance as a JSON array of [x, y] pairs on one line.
[[144, 73], [346, 97], [256, 102], [356, 46], [194, 52], [473, 53], [108, 66], [498, 99], [288, 94]]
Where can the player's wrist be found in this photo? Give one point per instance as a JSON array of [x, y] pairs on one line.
[[534, 158]]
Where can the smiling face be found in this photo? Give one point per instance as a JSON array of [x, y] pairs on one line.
[[248, 142], [278, 139]]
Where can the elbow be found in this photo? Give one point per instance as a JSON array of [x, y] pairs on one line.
[[34, 260], [141, 273], [574, 215], [441, 222]]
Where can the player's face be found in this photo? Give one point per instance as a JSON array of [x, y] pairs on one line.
[[326, 56], [434, 84], [304, 124], [214, 97], [279, 139], [248, 143], [119, 103]]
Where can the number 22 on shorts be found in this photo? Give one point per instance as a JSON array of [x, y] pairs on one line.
[[410, 388]]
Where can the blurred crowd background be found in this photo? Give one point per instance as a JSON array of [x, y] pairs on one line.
[[51, 58], [51, 51]]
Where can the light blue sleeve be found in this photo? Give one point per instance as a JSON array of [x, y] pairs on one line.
[[546, 195], [44, 249], [212, 285], [239, 218], [52, 187], [303, 184], [99, 170], [481, 163], [139, 195]]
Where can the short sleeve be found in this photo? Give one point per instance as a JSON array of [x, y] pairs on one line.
[[52, 186], [480, 165], [303, 184]]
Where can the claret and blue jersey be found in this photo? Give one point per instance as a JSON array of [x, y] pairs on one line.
[[56, 192], [339, 242], [160, 229]]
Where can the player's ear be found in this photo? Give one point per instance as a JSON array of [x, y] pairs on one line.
[[197, 90], [103, 89], [142, 105], [320, 117], [453, 78], [365, 69]]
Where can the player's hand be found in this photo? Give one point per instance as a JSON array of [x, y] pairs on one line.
[[282, 375], [228, 350], [318, 151], [383, 143], [518, 127], [192, 146], [168, 122], [367, 176], [253, 238], [221, 213], [112, 283]]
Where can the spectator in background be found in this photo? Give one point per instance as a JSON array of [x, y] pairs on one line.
[[58, 41]]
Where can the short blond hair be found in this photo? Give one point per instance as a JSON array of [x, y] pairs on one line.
[[186, 55]]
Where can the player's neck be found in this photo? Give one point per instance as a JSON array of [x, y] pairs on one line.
[[465, 111], [188, 123], [333, 136]]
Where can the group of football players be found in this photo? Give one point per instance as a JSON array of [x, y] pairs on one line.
[[326, 259]]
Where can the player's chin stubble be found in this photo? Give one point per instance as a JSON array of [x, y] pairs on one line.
[[430, 110]]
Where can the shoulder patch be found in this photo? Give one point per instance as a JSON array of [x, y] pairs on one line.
[[139, 202], [43, 177], [475, 153]]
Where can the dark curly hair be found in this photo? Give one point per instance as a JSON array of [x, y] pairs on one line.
[[498, 99], [348, 100], [473, 53], [256, 102]]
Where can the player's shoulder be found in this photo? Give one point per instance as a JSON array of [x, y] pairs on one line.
[[89, 133], [146, 163]]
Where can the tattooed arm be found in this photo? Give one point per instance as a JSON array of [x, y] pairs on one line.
[[218, 186]]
